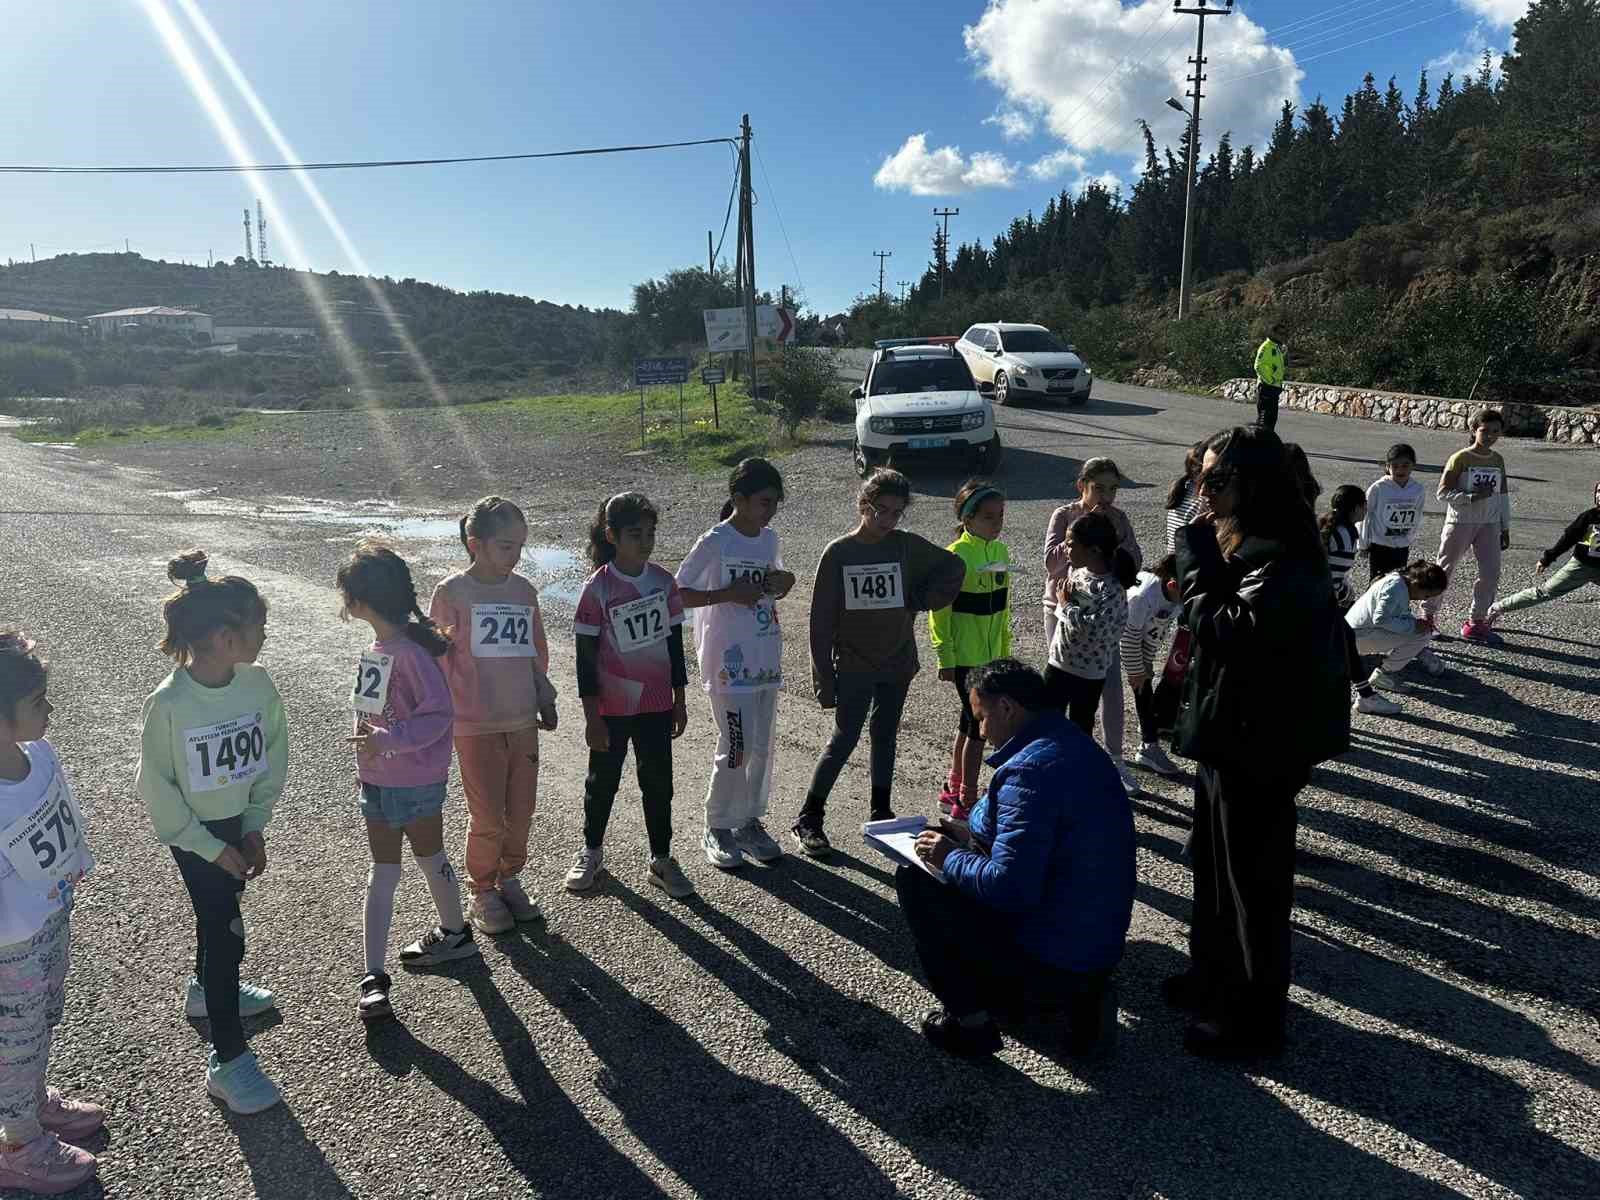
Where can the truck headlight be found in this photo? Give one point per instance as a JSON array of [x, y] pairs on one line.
[[972, 420], [881, 424]]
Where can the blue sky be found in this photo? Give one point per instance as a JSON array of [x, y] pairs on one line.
[[1012, 101]]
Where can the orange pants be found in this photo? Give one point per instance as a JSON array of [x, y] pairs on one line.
[[500, 774]]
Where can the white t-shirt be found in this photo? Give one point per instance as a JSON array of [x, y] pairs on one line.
[[740, 648], [1394, 513], [43, 850]]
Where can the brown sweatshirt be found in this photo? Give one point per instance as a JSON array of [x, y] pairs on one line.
[[864, 602]]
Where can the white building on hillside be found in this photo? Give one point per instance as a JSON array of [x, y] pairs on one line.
[[178, 320], [22, 320]]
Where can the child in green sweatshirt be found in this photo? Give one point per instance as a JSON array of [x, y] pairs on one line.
[[212, 764]]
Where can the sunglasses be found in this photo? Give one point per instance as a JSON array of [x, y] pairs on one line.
[[1217, 479]]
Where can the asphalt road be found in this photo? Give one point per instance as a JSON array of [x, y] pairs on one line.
[[760, 1039]]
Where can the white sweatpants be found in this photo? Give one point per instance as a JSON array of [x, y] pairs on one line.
[[741, 772]]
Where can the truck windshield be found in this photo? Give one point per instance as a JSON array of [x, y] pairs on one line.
[[1032, 341], [893, 376]]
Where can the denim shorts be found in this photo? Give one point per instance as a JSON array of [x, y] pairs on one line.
[[398, 806]]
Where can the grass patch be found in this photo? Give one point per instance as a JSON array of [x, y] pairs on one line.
[[212, 426]]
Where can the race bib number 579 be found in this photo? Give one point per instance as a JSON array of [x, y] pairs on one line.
[[47, 846], [226, 753]]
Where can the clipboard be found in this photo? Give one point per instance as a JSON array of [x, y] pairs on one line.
[[897, 838]]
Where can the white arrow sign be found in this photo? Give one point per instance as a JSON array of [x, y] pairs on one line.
[[725, 327]]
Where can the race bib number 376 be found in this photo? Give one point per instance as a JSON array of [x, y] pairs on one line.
[[226, 753], [874, 585]]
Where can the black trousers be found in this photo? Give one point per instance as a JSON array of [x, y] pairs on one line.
[[651, 735], [1383, 559], [1267, 406], [1243, 856], [855, 697], [1074, 695], [970, 970], [219, 937], [1144, 703]]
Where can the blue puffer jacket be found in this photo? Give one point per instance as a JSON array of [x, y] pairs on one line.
[[1057, 828]]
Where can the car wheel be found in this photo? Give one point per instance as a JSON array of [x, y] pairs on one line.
[[866, 460], [1002, 388], [987, 460]]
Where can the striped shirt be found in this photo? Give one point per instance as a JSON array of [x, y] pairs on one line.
[[1182, 513], [1341, 543]]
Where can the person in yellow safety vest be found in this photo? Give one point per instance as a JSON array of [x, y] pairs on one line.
[[1272, 358]]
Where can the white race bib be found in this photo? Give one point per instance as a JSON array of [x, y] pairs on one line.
[[1478, 477], [372, 683], [1400, 516], [46, 847], [874, 585], [226, 753], [502, 631], [640, 623], [746, 568]]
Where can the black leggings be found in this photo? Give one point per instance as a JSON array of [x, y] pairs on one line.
[[219, 937], [1383, 559], [1078, 697], [856, 696], [967, 725], [651, 735], [1144, 703]]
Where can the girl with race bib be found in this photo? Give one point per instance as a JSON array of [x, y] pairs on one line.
[[733, 579], [1394, 513], [402, 743], [43, 857], [1477, 517], [975, 630], [631, 676], [870, 585], [1582, 537], [1090, 618], [497, 666], [213, 760], [1340, 528]]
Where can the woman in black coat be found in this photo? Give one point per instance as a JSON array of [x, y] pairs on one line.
[[1266, 698]]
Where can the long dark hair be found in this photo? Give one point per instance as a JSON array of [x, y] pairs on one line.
[[752, 475], [22, 671], [619, 512], [1310, 489], [200, 607], [1346, 498], [1271, 502], [487, 518], [1192, 457], [379, 578]]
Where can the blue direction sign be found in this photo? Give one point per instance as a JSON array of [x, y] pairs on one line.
[[650, 371]]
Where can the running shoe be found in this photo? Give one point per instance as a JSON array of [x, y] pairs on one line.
[[757, 843], [490, 913], [1384, 681], [1152, 757], [439, 945], [1480, 632], [881, 814], [240, 1084], [1430, 662], [964, 1041], [253, 1000], [374, 1003], [1130, 782], [70, 1119], [811, 839], [46, 1166], [721, 849], [950, 796], [667, 875], [1376, 705], [521, 904], [585, 868]]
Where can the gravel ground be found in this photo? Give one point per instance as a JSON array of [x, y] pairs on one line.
[[760, 1039]]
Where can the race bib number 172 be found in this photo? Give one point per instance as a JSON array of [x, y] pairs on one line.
[[640, 623], [226, 753]]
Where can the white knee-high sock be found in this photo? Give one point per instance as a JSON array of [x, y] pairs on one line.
[[441, 877], [382, 879]]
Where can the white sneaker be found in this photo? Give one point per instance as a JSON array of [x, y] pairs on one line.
[[521, 904], [439, 945], [1385, 682], [253, 1000], [667, 875], [757, 843], [490, 913], [1153, 758], [1130, 782], [1376, 705], [1430, 662], [721, 849], [581, 875]]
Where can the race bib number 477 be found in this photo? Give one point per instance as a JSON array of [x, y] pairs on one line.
[[1399, 517], [874, 585], [502, 631], [226, 753]]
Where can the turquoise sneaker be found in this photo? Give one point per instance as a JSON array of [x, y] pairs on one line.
[[240, 1084], [253, 1000]]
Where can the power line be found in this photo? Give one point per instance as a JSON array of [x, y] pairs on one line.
[[732, 192], [792, 260], [1337, 49], [1335, 32], [239, 169]]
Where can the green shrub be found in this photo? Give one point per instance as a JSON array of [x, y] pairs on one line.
[[27, 370], [802, 383]]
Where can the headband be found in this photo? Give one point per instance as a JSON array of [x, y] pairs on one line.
[[977, 498]]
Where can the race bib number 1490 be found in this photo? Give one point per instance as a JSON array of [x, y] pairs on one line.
[[226, 753]]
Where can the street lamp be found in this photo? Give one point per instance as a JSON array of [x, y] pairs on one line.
[[1174, 102]]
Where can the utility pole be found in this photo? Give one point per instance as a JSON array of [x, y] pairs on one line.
[[249, 250], [880, 255], [747, 241], [1197, 79], [904, 284], [711, 256], [945, 214]]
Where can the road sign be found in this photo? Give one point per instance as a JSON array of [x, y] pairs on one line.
[[725, 327], [713, 375], [650, 371]]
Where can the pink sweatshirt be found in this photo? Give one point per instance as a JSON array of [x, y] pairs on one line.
[[497, 644], [410, 743], [1056, 564]]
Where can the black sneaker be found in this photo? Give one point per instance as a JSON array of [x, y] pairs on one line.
[[439, 945], [881, 814], [811, 838], [374, 1003], [951, 1036]]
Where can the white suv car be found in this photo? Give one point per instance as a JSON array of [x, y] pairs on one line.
[[1025, 362], [922, 399]]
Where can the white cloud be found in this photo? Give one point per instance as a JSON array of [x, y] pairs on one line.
[[1056, 164], [1504, 13], [943, 172], [1088, 71], [1466, 60], [1014, 125]]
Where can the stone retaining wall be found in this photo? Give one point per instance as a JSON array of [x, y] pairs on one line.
[[1574, 425]]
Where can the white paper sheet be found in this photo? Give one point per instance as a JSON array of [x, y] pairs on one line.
[[898, 839]]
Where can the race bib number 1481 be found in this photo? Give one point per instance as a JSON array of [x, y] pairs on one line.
[[873, 585]]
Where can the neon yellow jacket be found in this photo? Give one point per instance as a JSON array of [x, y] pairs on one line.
[[976, 629], [1270, 363]]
